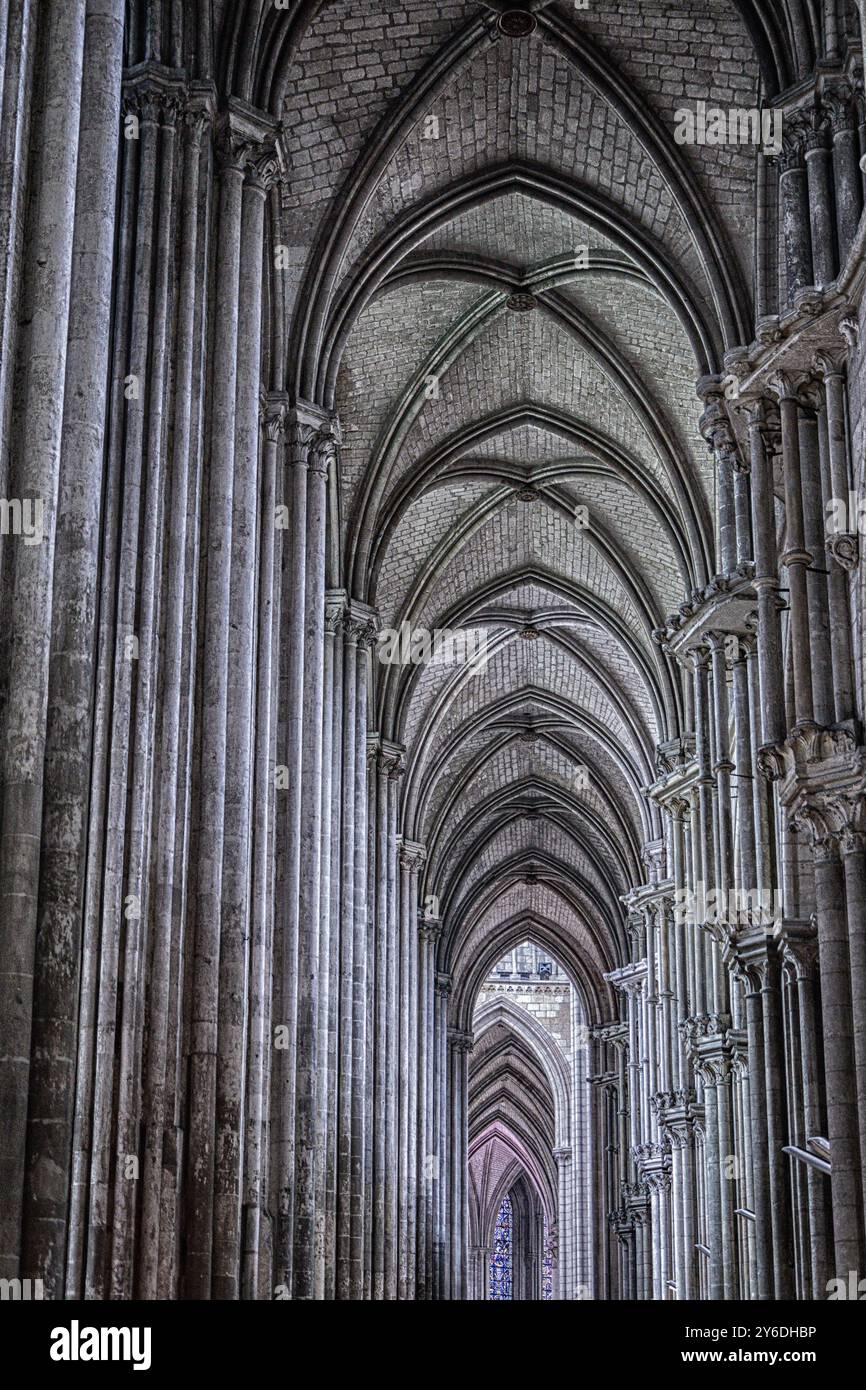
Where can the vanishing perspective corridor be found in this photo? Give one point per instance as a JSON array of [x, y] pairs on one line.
[[432, 831]]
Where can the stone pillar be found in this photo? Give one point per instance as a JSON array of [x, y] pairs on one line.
[[564, 1217], [723, 767], [335, 833], [750, 961], [347, 1252], [460, 1047], [794, 205], [362, 1080], [321, 442], [763, 437], [822, 207], [232, 150], [852, 843], [255, 1153], [841, 544], [839, 101], [428, 1160], [237, 832], [411, 860], [801, 959], [35, 470], [826, 817], [379, 773], [716, 429], [774, 1084], [328, 980], [395, 1005], [796, 558], [703, 851], [69, 710], [708, 1069], [133, 770], [811, 400], [443, 1272]]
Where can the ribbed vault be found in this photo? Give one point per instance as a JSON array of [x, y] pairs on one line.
[[510, 325]]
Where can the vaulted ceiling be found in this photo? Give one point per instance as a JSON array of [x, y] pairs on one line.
[[508, 280]]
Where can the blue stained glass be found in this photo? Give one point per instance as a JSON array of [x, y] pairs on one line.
[[501, 1262]]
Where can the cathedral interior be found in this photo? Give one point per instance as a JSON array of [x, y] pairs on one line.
[[432, 831]]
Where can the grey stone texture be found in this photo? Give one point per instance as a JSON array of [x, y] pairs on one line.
[[320, 324]]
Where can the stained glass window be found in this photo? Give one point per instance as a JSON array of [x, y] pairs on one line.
[[500, 1264], [547, 1264]]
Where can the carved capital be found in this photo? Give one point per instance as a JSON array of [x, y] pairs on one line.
[[273, 416], [412, 855], [335, 611], [360, 625], [791, 156], [840, 106], [323, 450], [787, 386], [263, 166]]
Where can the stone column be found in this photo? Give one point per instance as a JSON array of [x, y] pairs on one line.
[[841, 544], [749, 971], [716, 429], [429, 933], [794, 206], [393, 1000], [852, 843], [366, 628], [822, 207], [666, 955], [346, 1252], [801, 959], [411, 861], [374, 1094], [838, 1027], [728, 1160], [774, 1084], [133, 771], [562, 1156], [723, 766], [232, 152], [445, 1274], [796, 558], [703, 852], [334, 836], [328, 947], [811, 400], [69, 710], [255, 1153], [762, 438], [237, 834], [459, 1049], [708, 1070], [322, 448], [839, 102], [746, 836], [380, 773], [35, 469]]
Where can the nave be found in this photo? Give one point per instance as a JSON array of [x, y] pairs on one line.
[[432, 858]]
